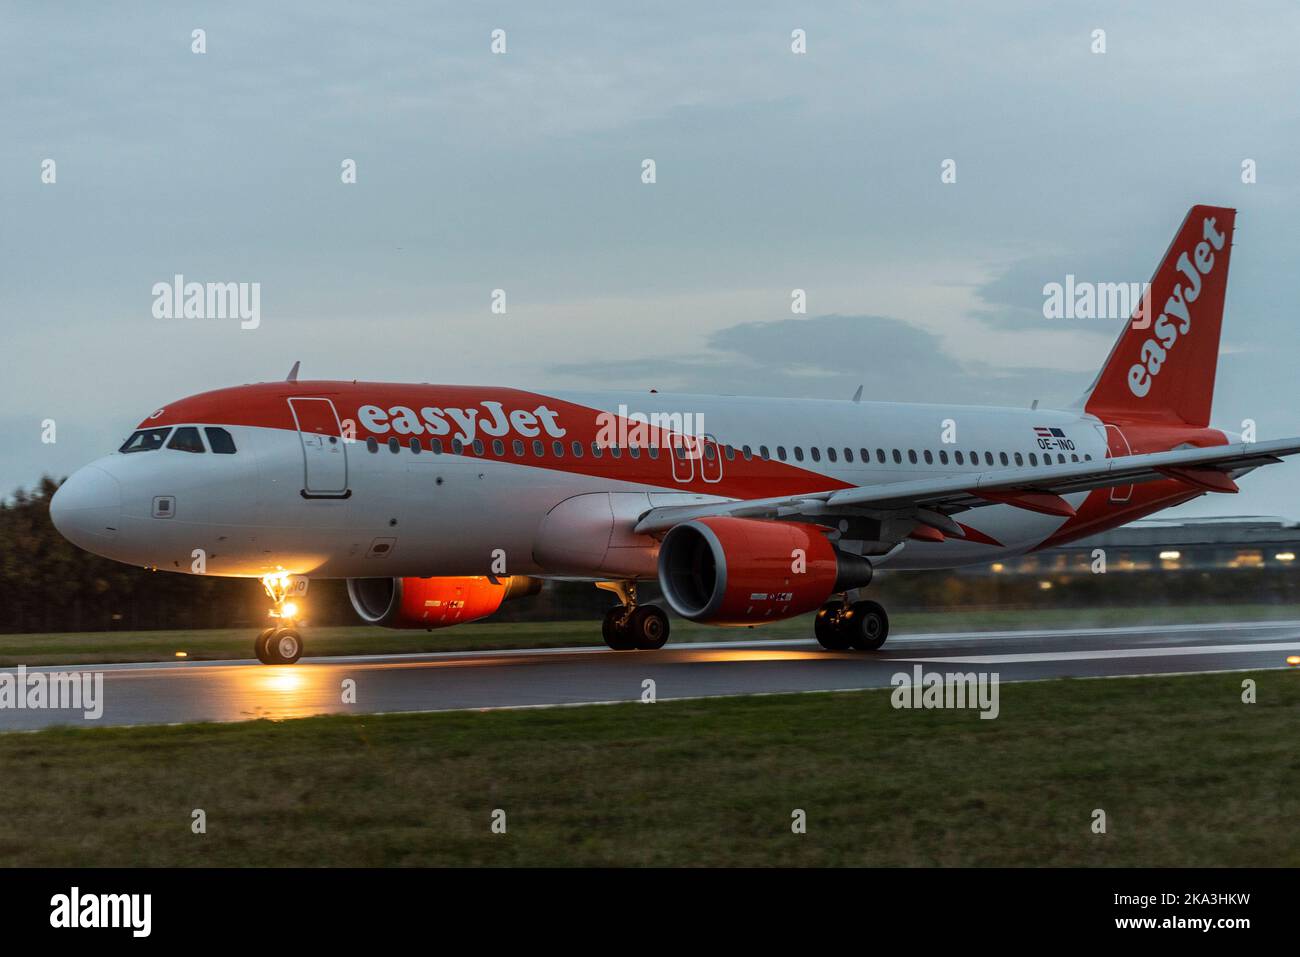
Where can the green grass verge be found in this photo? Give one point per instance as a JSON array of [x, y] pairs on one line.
[[1186, 773], [210, 644]]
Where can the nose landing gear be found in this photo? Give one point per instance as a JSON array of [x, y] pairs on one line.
[[281, 644]]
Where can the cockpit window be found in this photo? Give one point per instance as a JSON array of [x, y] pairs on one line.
[[220, 440], [146, 440], [186, 439]]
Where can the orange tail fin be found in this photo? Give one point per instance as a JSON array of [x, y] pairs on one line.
[[1162, 366]]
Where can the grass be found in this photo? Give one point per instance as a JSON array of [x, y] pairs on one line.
[[1187, 774], [210, 644]]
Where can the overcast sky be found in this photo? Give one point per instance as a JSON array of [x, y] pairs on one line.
[[522, 172]]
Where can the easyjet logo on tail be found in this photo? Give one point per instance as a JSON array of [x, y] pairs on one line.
[[1176, 320]]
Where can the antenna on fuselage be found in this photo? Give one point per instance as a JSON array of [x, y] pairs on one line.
[[293, 373], [857, 396]]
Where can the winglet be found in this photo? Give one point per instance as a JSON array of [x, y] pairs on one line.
[[293, 373]]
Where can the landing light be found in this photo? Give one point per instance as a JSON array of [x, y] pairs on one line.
[[1170, 556], [1285, 556], [182, 654], [289, 610], [1293, 660]]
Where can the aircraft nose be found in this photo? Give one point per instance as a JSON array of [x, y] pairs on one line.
[[87, 508]]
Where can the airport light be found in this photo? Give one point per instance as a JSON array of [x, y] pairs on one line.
[[1170, 556], [1045, 585], [1285, 556], [1293, 660]]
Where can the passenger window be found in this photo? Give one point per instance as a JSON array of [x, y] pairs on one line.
[[616, 451], [414, 445], [1020, 459], [372, 445], [393, 444], [929, 459], [539, 449], [457, 446], [911, 456], [747, 452], [577, 449], [710, 452], [219, 440], [960, 459], [653, 452], [596, 450], [943, 457], [558, 448], [830, 454], [880, 456], [763, 453], [798, 453], [1033, 459], [780, 452], [518, 446], [898, 457], [186, 439], [498, 447], [478, 446], [435, 446], [816, 453], [1002, 457], [988, 458]]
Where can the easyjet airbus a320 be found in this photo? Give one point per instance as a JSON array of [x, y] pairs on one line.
[[437, 503]]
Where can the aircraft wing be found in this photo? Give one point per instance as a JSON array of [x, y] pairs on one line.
[[1035, 488]]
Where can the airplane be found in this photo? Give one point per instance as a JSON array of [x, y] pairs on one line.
[[439, 502]]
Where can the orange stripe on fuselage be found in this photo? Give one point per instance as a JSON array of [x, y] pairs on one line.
[[265, 405]]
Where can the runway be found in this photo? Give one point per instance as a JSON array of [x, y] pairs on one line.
[[176, 692]]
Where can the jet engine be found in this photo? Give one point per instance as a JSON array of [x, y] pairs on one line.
[[434, 602], [743, 571]]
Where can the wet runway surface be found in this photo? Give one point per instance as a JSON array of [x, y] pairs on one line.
[[173, 692]]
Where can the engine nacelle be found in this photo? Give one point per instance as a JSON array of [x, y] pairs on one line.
[[744, 571], [434, 602]]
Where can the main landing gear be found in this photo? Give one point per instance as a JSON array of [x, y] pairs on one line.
[[861, 625], [631, 626], [281, 644]]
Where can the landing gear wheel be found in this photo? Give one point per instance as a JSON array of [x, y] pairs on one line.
[[866, 625], [616, 634], [284, 647], [259, 645], [648, 627], [826, 626]]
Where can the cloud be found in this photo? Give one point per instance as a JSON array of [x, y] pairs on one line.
[[828, 357]]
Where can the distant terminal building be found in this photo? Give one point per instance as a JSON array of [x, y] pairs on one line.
[[1198, 544]]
